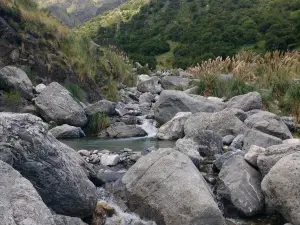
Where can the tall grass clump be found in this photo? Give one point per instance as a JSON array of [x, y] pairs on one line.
[[76, 91], [97, 123]]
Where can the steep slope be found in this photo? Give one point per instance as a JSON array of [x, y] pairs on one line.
[[202, 29], [73, 12]]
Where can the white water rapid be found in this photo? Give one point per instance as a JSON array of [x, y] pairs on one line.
[[148, 125]]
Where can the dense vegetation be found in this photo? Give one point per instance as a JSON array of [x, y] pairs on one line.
[[195, 30]]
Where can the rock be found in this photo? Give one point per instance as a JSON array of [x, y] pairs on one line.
[[189, 147], [66, 220], [55, 103], [30, 109], [240, 114], [152, 190], [193, 90], [224, 123], [174, 129], [281, 187], [102, 106], [238, 142], [268, 123], [84, 152], [240, 184], [255, 137], [253, 153], [109, 160], [109, 176], [57, 172], [273, 154], [246, 102], [210, 143], [146, 97], [290, 122], [14, 55], [227, 140], [221, 159], [146, 83], [172, 102], [291, 141], [125, 131], [128, 109], [67, 131], [215, 99], [175, 82], [99, 216], [15, 78], [39, 88], [20, 202]]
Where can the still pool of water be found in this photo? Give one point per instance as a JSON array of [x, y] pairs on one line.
[[115, 145]]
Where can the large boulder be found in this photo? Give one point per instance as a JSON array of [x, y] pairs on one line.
[[224, 122], [56, 171], [175, 82], [269, 123], [145, 83], [55, 103], [102, 106], [191, 148], [67, 131], [171, 102], [20, 203], [273, 154], [240, 184], [174, 129], [66, 220], [246, 102], [125, 131], [255, 137], [166, 187], [281, 187], [15, 78]]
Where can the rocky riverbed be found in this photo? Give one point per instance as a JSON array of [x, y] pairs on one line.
[[231, 162]]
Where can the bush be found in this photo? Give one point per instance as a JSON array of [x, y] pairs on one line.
[[97, 123], [76, 91]]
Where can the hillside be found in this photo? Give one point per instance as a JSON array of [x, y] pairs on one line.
[[201, 29], [73, 12]]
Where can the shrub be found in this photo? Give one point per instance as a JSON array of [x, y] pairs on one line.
[[76, 91], [97, 123]]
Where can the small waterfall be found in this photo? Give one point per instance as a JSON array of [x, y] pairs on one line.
[[148, 125]]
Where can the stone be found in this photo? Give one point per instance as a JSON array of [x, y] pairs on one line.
[[255, 137], [14, 55], [20, 203], [146, 97], [58, 173], [291, 141], [290, 122], [67, 131], [246, 102], [189, 147], [227, 140], [84, 152], [221, 159], [66, 220], [224, 123], [281, 187], [237, 142], [175, 82], [240, 114], [13, 78], [215, 99], [39, 88], [174, 129], [109, 160], [240, 184], [210, 143], [55, 103], [253, 153], [193, 90], [152, 190], [273, 154], [102, 106], [269, 123], [171, 102], [125, 131], [145, 83]]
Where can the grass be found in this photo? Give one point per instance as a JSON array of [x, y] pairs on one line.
[[166, 60], [12, 97], [97, 123], [273, 74], [76, 91]]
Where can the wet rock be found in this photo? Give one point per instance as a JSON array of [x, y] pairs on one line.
[[253, 153], [67, 131], [55, 103], [246, 102], [102, 106]]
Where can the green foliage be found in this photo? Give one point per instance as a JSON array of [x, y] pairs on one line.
[[76, 91], [111, 91], [292, 99], [97, 123], [12, 97]]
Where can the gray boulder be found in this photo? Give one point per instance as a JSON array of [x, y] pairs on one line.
[[240, 114], [224, 123], [281, 187], [153, 190], [146, 83], [67, 131], [237, 142], [221, 159], [269, 123], [227, 140], [246, 102], [253, 153], [174, 129], [55, 103], [210, 143], [146, 98], [66, 220], [273, 154], [57, 172], [255, 137], [20, 203], [15, 78], [290, 122], [175, 82], [125, 131], [171, 102], [240, 184], [191, 148], [39, 88], [102, 106]]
